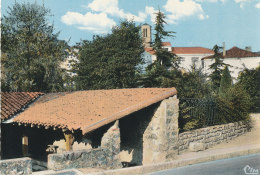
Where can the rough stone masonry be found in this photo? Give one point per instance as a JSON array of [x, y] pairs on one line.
[[106, 156]]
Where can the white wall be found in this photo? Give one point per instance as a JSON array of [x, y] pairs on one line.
[[148, 59], [238, 64], [187, 60]]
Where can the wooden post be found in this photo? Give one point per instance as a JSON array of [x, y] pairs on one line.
[[69, 141], [25, 146]]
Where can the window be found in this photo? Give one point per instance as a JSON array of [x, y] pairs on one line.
[[144, 32], [194, 60], [202, 64], [165, 49]]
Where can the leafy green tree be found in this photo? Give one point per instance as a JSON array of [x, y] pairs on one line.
[[193, 84], [226, 81], [159, 73], [249, 79], [235, 105], [111, 61], [33, 51], [216, 67]]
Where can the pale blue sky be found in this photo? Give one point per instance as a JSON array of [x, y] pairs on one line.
[[196, 22]]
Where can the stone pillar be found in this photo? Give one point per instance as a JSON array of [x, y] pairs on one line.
[[161, 135], [0, 138], [111, 141], [172, 126], [68, 141], [25, 146]]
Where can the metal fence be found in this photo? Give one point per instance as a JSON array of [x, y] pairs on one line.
[[197, 113]]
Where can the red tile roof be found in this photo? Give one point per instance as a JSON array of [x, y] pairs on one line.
[[14, 102], [185, 50], [89, 110], [166, 44], [236, 52], [150, 50], [192, 50]]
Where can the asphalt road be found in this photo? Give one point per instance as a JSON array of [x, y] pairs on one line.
[[233, 166]]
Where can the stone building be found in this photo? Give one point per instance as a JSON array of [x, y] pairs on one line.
[[12, 103], [138, 126]]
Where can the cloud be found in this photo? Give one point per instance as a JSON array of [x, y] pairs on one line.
[[257, 5], [181, 9], [111, 7], [242, 2], [99, 20], [209, 0], [98, 23], [150, 11], [202, 17]]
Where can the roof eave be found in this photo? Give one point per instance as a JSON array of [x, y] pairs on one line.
[[128, 111]]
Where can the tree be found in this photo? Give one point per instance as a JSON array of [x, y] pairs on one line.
[[226, 81], [33, 51], [111, 61], [217, 66], [249, 79], [159, 73], [193, 84]]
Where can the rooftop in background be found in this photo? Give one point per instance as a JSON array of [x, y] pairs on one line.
[[166, 44], [14, 102], [183, 50], [192, 50], [150, 50], [236, 52], [89, 110]]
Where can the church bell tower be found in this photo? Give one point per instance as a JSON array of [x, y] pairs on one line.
[[146, 35]]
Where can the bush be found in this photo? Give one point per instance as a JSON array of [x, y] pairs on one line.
[[234, 105], [249, 79]]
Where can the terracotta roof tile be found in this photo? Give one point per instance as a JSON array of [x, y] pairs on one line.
[[13, 102], [150, 50], [236, 52], [185, 50], [166, 44], [88, 110], [192, 50]]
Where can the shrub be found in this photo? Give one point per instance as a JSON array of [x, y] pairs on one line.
[[234, 105], [249, 79]]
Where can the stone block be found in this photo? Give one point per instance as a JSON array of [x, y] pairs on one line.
[[22, 166], [196, 146]]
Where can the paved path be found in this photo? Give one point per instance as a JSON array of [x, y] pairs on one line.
[[232, 166]]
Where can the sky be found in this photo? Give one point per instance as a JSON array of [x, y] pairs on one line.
[[196, 22]]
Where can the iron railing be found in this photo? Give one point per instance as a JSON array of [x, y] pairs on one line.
[[197, 113]]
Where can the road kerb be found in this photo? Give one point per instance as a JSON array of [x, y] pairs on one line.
[[174, 164]]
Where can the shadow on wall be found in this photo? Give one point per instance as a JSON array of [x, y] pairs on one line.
[[132, 130]]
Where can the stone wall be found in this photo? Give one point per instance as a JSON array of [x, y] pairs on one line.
[[204, 138], [106, 156], [16, 166], [161, 134]]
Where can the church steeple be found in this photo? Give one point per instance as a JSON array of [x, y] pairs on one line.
[[146, 34]]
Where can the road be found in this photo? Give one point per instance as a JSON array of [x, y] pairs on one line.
[[232, 166]]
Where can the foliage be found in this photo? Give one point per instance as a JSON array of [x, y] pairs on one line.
[[33, 51], [234, 105], [160, 73], [111, 61], [216, 67], [226, 81], [160, 33], [193, 84], [249, 79]]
